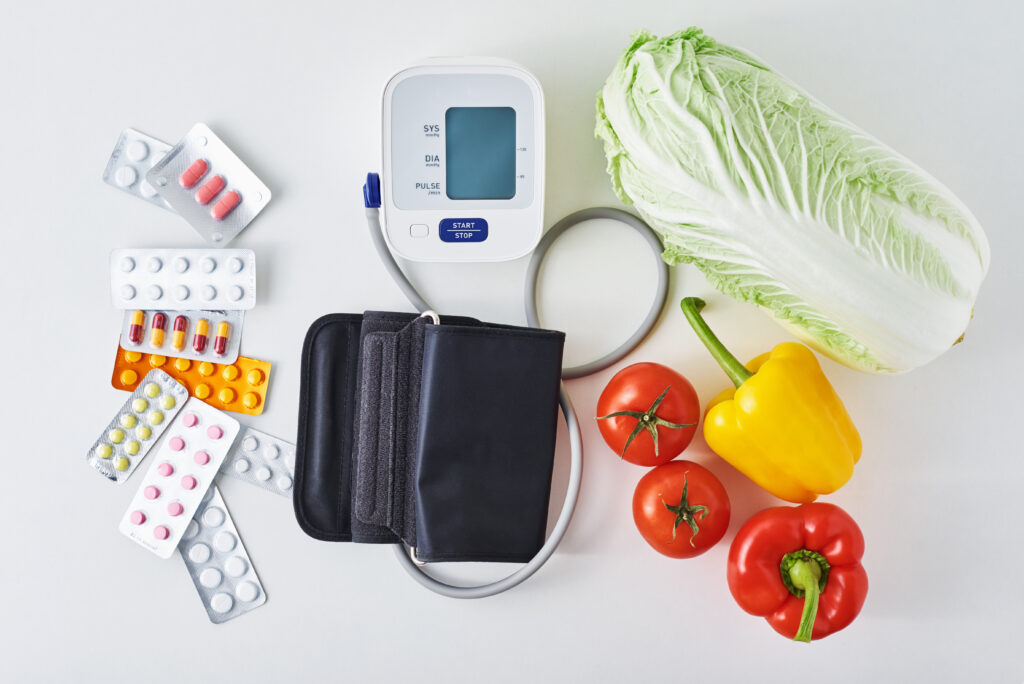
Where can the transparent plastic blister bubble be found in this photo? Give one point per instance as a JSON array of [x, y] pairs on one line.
[[134, 429], [134, 155], [181, 471], [262, 460], [196, 335], [218, 563], [209, 186], [187, 279]]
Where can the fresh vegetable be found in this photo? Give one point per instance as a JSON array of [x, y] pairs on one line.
[[681, 509], [783, 426], [648, 413], [799, 568], [782, 203]]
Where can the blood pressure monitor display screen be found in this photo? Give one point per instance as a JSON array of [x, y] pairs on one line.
[[480, 153]]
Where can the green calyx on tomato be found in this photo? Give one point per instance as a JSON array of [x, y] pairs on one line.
[[685, 513], [647, 420], [805, 574]]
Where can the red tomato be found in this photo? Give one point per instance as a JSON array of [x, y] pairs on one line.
[[648, 413], [681, 509]]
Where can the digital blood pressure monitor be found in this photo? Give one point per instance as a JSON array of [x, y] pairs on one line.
[[463, 167]]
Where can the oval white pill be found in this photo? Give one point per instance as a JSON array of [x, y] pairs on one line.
[[208, 264], [271, 452], [154, 264], [155, 292], [181, 264], [199, 553], [221, 602], [127, 264], [209, 292], [125, 176], [284, 482], [224, 541], [181, 293], [127, 292], [250, 443], [235, 265], [236, 293], [146, 190], [247, 591], [241, 466], [137, 151], [236, 566], [192, 530], [214, 516], [210, 577], [263, 473]]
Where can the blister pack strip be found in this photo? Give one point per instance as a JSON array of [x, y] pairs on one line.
[[181, 472], [134, 430], [195, 335], [209, 186], [183, 278], [240, 386], [218, 563], [263, 460], [132, 158]]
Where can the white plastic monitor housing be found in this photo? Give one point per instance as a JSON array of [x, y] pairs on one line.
[[421, 221]]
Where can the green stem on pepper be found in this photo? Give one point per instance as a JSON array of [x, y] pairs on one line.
[[805, 574], [730, 364]]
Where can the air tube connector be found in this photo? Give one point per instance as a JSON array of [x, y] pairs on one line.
[[371, 191]]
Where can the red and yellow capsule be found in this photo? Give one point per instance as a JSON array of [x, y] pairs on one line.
[[220, 342], [178, 335], [135, 329], [202, 335], [157, 328]]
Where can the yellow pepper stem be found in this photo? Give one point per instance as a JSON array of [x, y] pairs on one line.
[[730, 364]]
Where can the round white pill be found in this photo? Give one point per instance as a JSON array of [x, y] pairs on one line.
[[263, 473], [247, 591], [214, 516], [137, 151], [192, 530], [125, 176], [199, 553], [146, 190], [284, 482], [235, 264], [210, 577], [127, 264], [221, 602], [250, 443], [155, 292], [236, 293], [127, 292], [236, 566], [181, 293], [181, 264], [209, 292], [271, 452], [208, 264], [154, 264], [241, 466], [224, 541]]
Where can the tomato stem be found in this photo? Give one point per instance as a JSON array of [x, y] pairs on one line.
[[685, 513], [647, 420], [730, 364], [805, 574]]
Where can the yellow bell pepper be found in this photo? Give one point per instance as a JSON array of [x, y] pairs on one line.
[[783, 425]]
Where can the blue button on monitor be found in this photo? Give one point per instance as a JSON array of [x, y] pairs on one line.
[[463, 230]]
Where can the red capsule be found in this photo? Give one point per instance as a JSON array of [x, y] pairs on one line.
[[210, 190], [202, 335], [193, 173], [157, 328], [178, 336], [220, 341], [137, 325], [225, 204]]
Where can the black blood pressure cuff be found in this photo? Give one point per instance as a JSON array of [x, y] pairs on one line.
[[441, 436]]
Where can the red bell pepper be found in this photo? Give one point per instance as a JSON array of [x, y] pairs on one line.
[[799, 568]]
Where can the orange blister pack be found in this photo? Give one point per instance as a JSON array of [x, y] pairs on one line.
[[240, 386]]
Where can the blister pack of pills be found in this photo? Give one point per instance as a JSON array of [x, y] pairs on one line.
[[195, 335], [183, 278], [262, 460], [181, 472], [132, 158], [240, 386], [209, 186], [134, 429], [218, 563]]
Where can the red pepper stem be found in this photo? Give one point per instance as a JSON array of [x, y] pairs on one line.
[[805, 575], [733, 368]]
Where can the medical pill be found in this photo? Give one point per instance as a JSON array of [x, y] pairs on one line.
[[263, 473], [208, 265], [176, 443], [146, 190], [247, 591], [126, 176], [190, 176], [151, 492], [201, 458], [182, 364], [188, 482], [271, 452], [208, 293], [222, 602], [235, 293], [154, 264], [155, 417], [224, 541], [128, 421], [155, 292], [167, 402], [220, 342], [140, 405], [210, 190], [214, 516], [129, 377], [161, 532], [284, 482], [201, 335], [250, 443], [143, 432], [250, 400], [157, 360], [137, 151], [127, 264], [121, 463], [215, 432], [199, 553], [116, 435], [158, 327], [127, 292], [132, 356], [202, 391], [137, 517], [235, 265], [255, 377], [181, 293], [206, 369], [236, 566], [179, 332], [189, 419], [181, 264], [226, 395], [165, 469], [136, 327], [152, 390], [132, 447], [210, 578], [229, 373], [225, 205], [104, 451], [174, 509], [192, 530], [241, 465]]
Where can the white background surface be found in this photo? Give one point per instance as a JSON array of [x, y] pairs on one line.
[[294, 89]]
